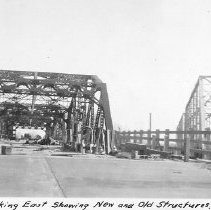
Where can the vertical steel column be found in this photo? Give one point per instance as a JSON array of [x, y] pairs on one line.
[[202, 115], [108, 141], [202, 110], [104, 101]]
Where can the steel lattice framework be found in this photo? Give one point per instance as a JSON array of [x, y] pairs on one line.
[[197, 116], [69, 104]]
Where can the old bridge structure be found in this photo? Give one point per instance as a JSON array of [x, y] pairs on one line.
[[74, 108]]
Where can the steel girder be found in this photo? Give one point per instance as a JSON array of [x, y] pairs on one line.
[[46, 99]]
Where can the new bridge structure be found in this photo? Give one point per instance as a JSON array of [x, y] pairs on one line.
[[197, 116], [70, 107], [191, 138]]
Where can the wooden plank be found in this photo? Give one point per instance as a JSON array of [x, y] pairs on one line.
[[170, 140]]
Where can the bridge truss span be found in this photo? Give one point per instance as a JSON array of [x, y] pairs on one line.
[[66, 105], [197, 116]]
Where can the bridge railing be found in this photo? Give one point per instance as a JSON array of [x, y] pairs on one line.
[[194, 144]]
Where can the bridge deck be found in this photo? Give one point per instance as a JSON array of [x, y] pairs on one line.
[[90, 176]]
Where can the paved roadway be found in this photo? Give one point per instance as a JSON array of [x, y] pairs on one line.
[[45, 176]]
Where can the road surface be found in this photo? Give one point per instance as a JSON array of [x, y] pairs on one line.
[[47, 176]]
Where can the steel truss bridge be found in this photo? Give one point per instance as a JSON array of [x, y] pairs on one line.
[[68, 106], [197, 116]]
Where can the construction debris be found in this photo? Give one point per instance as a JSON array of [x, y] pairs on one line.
[[126, 155], [140, 151]]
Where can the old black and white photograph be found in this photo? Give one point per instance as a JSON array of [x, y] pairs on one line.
[[105, 99]]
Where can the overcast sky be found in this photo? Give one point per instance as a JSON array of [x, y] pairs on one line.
[[149, 52]]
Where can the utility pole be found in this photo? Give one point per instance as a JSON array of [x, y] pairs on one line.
[[150, 121]]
